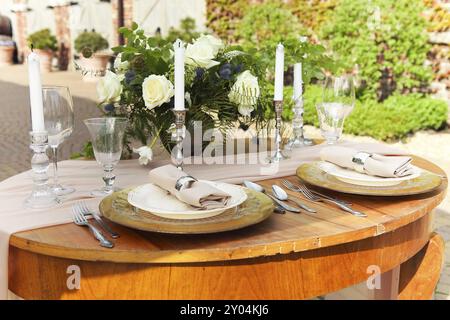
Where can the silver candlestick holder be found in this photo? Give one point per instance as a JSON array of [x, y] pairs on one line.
[[278, 155], [298, 139], [177, 152], [42, 195]]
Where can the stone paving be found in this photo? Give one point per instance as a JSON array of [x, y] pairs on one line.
[[15, 153], [15, 116]]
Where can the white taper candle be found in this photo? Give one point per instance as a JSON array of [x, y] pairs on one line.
[[35, 85], [298, 81], [179, 74], [279, 73]]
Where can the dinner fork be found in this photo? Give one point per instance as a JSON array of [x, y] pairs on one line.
[[86, 211], [296, 188], [314, 198], [80, 220]]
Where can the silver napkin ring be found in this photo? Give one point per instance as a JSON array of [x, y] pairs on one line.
[[359, 160], [184, 182]]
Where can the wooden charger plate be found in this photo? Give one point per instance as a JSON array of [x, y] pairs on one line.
[[255, 209], [312, 174]]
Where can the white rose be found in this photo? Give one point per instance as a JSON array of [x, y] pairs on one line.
[[201, 54], [156, 90], [245, 92], [145, 154], [214, 42], [109, 87], [119, 65]]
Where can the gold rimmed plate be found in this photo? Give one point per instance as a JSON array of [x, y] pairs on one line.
[[149, 197], [256, 208], [313, 174]]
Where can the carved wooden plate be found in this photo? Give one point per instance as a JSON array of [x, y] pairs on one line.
[[255, 209]]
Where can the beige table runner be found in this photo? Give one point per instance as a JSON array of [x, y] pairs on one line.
[[86, 176]]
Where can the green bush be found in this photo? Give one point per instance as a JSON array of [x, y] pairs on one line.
[[92, 40], [394, 118], [42, 40], [267, 24], [312, 13], [386, 39], [223, 16], [186, 32], [438, 16]]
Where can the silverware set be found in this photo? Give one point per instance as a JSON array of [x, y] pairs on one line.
[[80, 212], [281, 206], [309, 195], [280, 197]]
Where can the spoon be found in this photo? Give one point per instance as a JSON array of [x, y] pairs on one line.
[[258, 188], [280, 194], [279, 210]]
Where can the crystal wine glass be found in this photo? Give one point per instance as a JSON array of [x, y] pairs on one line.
[[337, 103], [107, 140], [59, 120]]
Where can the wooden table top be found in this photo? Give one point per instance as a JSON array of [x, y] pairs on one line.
[[280, 234]]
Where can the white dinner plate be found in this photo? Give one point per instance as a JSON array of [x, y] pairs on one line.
[[149, 197], [353, 177]]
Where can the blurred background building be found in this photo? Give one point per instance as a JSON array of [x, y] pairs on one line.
[[67, 19]]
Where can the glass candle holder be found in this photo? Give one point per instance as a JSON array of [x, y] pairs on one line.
[[42, 195]]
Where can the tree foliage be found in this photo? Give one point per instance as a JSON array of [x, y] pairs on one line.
[[386, 40]]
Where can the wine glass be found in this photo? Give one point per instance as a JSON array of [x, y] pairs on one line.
[[107, 140], [337, 103], [59, 120]]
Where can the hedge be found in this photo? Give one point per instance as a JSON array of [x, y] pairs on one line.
[[394, 118]]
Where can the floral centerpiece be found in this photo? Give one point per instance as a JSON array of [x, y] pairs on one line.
[[222, 85]]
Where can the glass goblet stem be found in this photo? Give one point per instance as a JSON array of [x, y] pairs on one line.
[[108, 178], [55, 165]]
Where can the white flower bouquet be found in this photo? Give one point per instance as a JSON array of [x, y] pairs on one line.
[[223, 86]]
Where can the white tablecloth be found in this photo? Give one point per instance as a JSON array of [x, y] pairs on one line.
[[86, 175]]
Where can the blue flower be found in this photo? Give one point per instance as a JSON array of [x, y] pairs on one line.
[[109, 107], [238, 68], [129, 76], [199, 72], [226, 71]]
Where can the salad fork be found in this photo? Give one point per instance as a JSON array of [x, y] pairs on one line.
[[80, 220], [86, 211], [314, 198]]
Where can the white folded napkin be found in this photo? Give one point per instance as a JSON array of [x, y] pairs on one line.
[[375, 165], [199, 194]]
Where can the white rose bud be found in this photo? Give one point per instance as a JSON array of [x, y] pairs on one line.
[[145, 154], [245, 92], [119, 65], [109, 87], [156, 90]]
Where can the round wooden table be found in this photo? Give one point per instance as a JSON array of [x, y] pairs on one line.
[[291, 256]]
